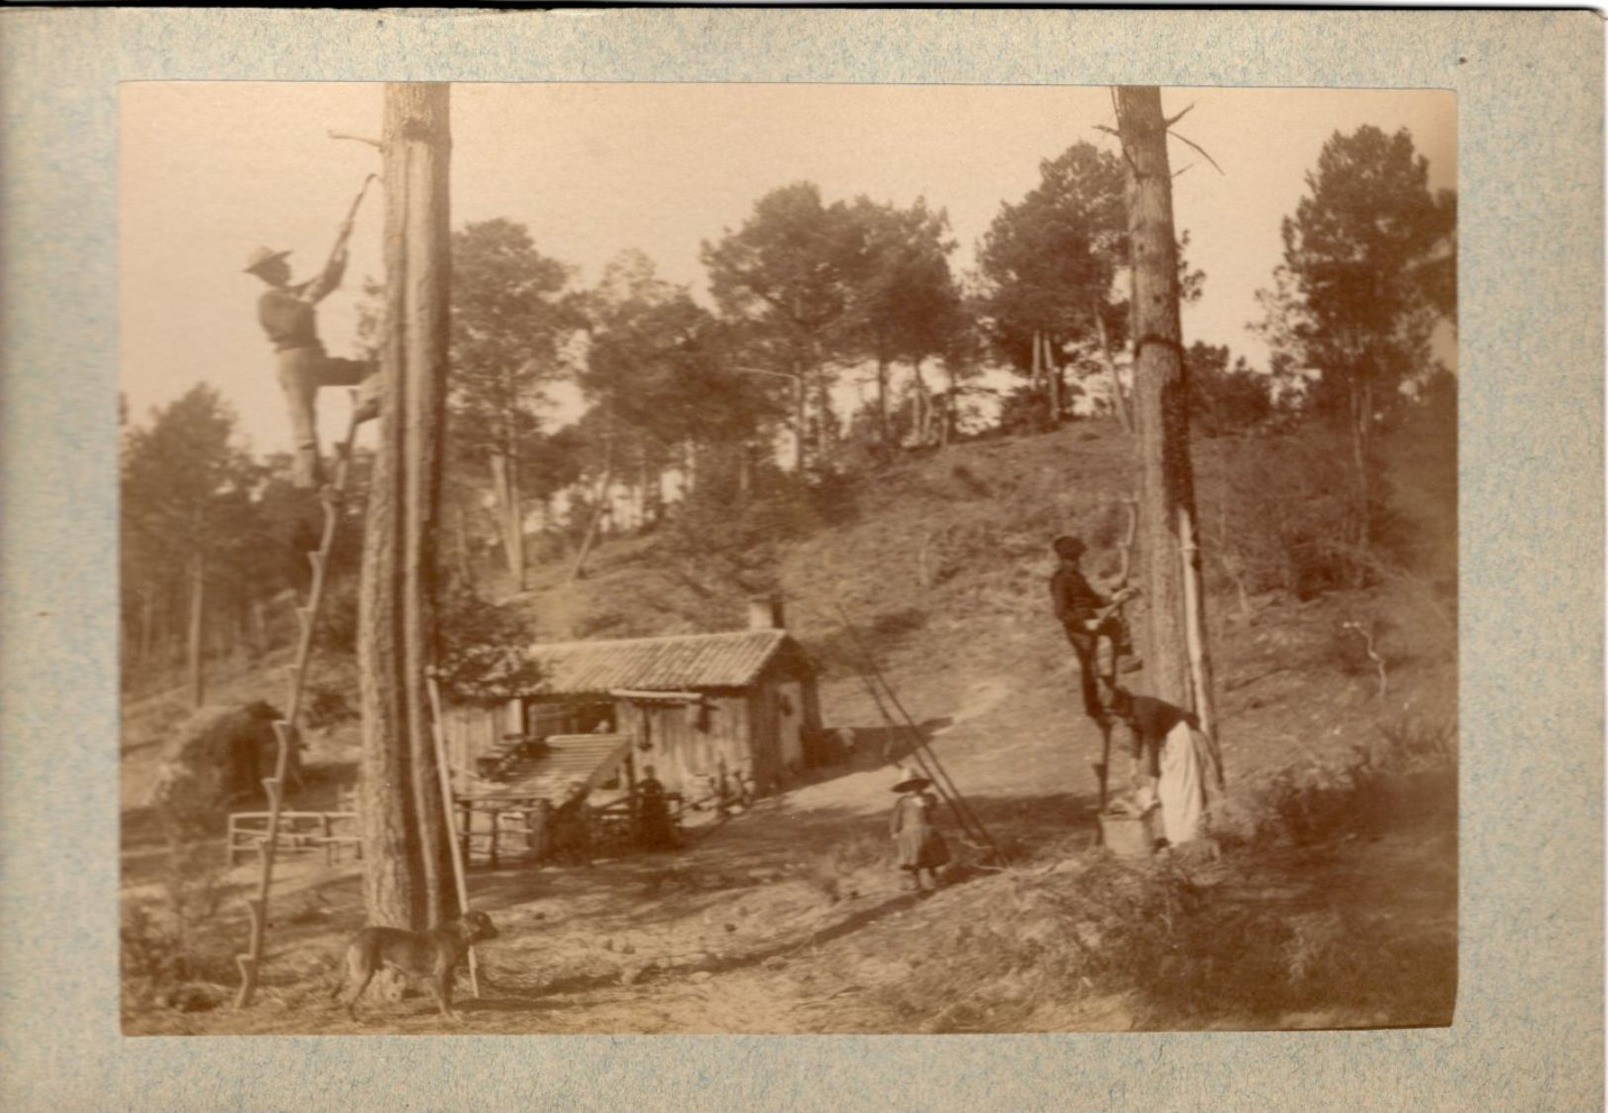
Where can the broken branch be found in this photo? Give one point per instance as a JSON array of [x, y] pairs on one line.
[[375, 143], [1201, 149]]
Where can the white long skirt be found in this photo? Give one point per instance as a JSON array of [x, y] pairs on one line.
[[1181, 787]]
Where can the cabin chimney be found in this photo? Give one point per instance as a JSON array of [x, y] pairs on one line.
[[765, 613]]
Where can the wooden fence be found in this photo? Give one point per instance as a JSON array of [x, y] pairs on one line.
[[329, 831]]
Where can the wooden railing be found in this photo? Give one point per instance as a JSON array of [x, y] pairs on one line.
[[488, 821], [329, 831]]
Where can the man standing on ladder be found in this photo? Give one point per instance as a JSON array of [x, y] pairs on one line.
[[1089, 617], [289, 317]]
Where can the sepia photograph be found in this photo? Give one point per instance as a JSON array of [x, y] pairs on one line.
[[722, 558]]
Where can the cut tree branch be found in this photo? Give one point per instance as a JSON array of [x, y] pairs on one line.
[[1199, 148], [375, 143]]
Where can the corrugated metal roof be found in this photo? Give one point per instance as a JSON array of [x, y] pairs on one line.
[[730, 660]]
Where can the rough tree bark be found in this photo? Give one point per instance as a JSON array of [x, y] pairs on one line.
[[882, 400], [599, 509], [1053, 373], [1176, 660], [510, 513], [800, 418], [198, 602], [1361, 453], [406, 851], [1119, 398]]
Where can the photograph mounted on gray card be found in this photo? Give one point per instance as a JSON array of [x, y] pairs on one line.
[[721, 558]]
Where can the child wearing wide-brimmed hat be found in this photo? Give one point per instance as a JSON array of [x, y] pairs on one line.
[[920, 845]]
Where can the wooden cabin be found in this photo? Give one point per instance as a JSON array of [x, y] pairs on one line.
[[693, 705]]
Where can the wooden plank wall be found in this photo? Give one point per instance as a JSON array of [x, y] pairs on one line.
[[472, 731], [765, 736], [683, 753]]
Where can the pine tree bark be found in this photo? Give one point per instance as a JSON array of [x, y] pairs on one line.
[[922, 404], [406, 859], [1119, 399], [510, 516], [1036, 391], [1053, 372], [882, 400], [1161, 399], [198, 598], [598, 510], [1361, 454], [800, 419]]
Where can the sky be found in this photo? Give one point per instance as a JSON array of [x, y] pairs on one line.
[[210, 170]]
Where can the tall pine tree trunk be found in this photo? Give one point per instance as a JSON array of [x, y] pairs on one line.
[[882, 399], [823, 417], [1119, 399], [510, 523], [198, 598], [1361, 457], [947, 430], [1037, 372], [1053, 373], [461, 536], [800, 419], [406, 859], [1176, 664], [599, 509]]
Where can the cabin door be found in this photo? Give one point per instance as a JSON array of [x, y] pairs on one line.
[[790, 722]]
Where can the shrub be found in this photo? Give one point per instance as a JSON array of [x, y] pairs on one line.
[[483, 647], [174, 952], [973, 483], [326, 707], [1281, 517], [335, 627], [1024, 410]]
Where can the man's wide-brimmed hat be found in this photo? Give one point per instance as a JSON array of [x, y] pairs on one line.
[[1069, 547], [263, 255], [910, 780]]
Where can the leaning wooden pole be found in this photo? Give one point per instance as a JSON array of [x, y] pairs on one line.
[[1200, 662], [407, 865], [459, 872]]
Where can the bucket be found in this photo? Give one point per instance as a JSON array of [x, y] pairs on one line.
[[1129, 836]]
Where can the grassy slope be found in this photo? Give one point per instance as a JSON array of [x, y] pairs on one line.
[[942, 562]]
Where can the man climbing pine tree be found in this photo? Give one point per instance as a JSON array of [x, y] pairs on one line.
[[1087, 616], [289, 317]]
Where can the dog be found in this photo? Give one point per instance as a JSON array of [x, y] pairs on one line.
[[433, 956]]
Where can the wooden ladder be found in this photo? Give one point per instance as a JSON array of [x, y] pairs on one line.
[[331, 497]]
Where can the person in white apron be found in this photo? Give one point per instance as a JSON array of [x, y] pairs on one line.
[[1166, 761]]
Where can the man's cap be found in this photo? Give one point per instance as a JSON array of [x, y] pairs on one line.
[[263, 255], [909, 779], [1069, 547]]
